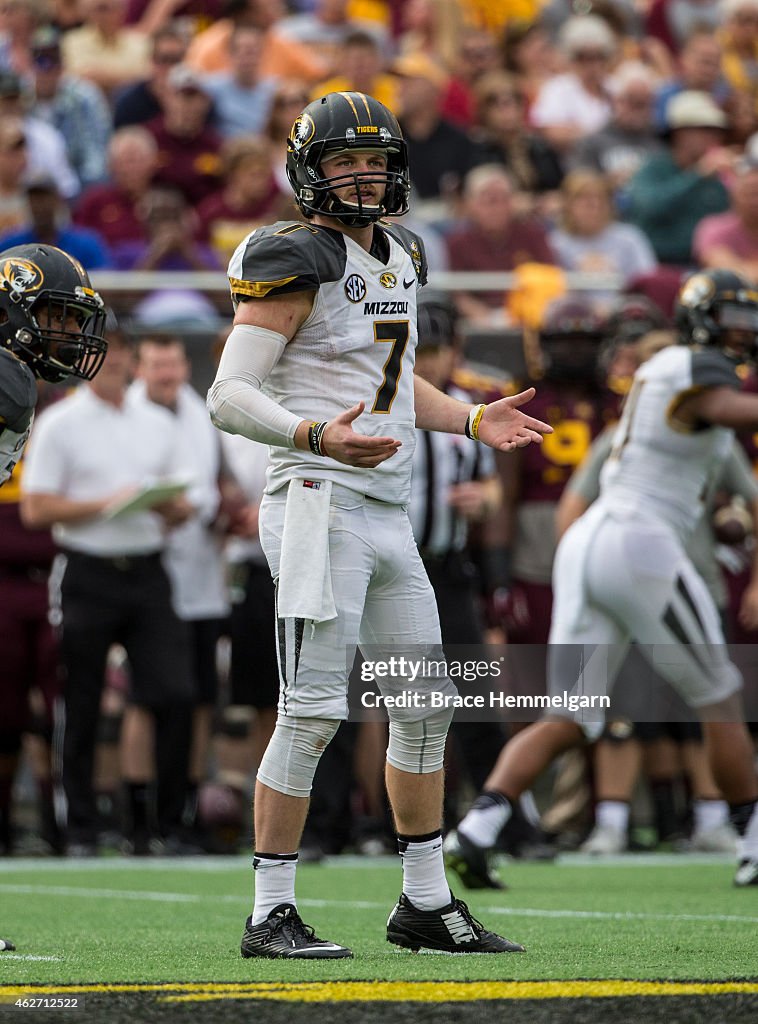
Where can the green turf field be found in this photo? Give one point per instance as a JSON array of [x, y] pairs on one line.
[[640, 918]]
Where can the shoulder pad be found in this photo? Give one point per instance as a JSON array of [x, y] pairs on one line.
[[712, 369], [413, 245], [289, 256], [18, 392]]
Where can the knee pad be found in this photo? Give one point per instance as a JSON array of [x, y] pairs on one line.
[[419, 747], [293, 753]]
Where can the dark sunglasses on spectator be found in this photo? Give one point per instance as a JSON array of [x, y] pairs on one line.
[[168, 58], [46, 60], [502, 99], [586, 56], [637, 101]]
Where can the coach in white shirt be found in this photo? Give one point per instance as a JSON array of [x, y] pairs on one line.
[[89, 452]]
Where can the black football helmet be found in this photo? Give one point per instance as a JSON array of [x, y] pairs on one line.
[[42, 290], [343, 121], [570, 337], [437, 320], [712, 302], [630, 318], [633, 316]]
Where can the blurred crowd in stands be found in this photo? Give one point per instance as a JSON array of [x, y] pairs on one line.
[[598, 137]]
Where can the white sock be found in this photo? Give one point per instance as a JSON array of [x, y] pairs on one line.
[[274, 882], [424, 881], [612, 814], [529, 808], [709, 814], [489, 813]]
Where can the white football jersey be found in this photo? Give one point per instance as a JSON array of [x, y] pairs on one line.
[[358, 343], [659, 466]]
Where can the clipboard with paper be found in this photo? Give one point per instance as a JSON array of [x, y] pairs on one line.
[[144, 498]]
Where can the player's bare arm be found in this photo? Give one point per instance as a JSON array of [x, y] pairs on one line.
[[39, 511], [502, 424], [721, 406], [748, 610]]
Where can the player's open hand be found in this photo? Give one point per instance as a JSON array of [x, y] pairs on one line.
[[340, 442], [505, 427]]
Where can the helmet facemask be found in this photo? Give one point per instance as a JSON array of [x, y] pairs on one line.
[[51, 345], [742, 318], [318, 196]]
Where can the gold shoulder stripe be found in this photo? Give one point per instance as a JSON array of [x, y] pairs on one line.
[[680, 426], [257, 289]]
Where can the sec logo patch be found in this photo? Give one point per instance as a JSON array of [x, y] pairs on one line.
[[355, 288]]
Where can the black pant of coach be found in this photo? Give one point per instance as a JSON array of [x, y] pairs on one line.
[[455, 582], [126, 600]]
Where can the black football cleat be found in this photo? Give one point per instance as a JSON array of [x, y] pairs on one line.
[[284, 936], [747, 873], [470, 862], [451, 929]]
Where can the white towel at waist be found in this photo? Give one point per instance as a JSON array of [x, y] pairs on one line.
[[305, 576]]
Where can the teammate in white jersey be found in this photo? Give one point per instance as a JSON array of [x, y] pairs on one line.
[[621, 573], [52, 328], [319, 365]]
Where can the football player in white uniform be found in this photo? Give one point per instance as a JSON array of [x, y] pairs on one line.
[[319, 365], [621, 573], [51, 328]]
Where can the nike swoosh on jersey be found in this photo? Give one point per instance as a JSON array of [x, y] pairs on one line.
[[407, 284]]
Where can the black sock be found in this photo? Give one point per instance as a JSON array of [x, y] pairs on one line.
[[490, 798], [139, 807], [740, 815]]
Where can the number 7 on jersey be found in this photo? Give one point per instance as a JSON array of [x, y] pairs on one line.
[[395, 333]]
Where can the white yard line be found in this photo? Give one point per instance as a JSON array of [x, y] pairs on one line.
[[181, 897], [221, 865]]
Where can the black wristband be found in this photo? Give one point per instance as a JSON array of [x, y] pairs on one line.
[[315, 434]]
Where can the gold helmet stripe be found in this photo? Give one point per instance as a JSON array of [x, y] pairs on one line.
[[365, 104], [349, 98]]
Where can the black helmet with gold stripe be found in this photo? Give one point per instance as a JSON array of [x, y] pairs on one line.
[[348, 122], [50, 316], [719, 307]]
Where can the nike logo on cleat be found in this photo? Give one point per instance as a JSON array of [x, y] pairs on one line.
[[747, 873], [460, 930]]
